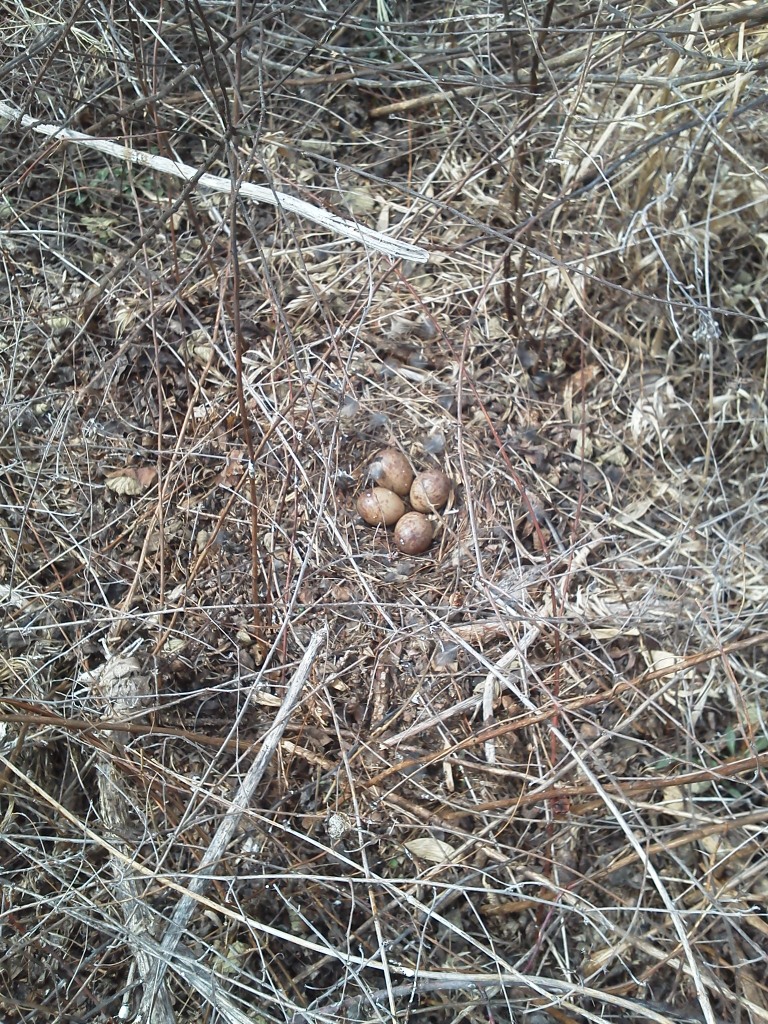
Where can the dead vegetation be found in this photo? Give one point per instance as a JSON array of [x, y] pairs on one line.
[[258, 766]]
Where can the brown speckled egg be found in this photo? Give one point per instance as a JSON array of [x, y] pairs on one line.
[[430, 491], [380, 506], [413, 533], [391, 469]]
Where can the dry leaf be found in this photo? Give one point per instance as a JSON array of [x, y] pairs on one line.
[[576, 383], [338, 824], [123, 683], [433, 850], [674, 801], [653, 411], [661, 661], [633, 512], [197, 346], [132, 481]]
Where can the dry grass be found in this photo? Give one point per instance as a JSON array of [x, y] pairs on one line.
[[258, 766]]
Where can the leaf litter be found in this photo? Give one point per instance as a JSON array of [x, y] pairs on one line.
[[521, 776]]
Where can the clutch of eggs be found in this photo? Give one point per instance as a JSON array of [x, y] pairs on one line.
[[383, 504]]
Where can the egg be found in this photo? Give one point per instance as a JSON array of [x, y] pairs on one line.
[[413, 533], [391, 469], [380, 506], [430, 491]]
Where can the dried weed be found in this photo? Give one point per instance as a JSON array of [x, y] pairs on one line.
[[256, 764]]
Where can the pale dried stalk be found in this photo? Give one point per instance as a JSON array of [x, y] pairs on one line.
[[673, 911], [124, 688], [240, 802], [259, 193]]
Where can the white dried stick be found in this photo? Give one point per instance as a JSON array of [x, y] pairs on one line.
[[199, 882], [259, 193]]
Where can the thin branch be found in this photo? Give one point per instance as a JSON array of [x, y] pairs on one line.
[[259, 193]]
